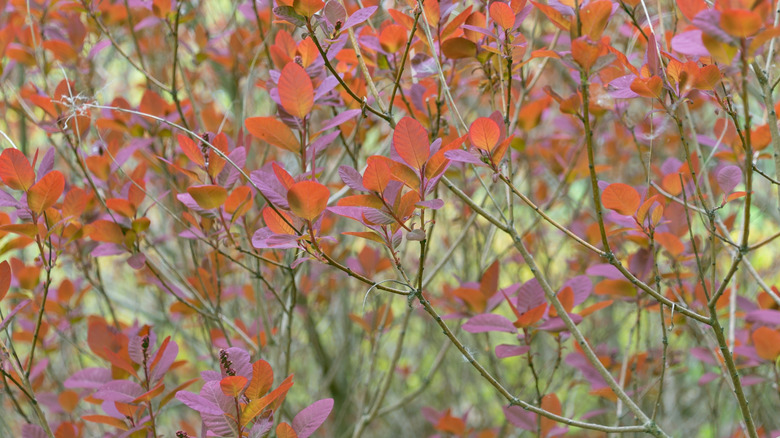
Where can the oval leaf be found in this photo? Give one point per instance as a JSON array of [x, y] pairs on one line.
[[484, 133], [308, 199], [45, 192], [274, 132], [15, 170], [295, 90], [312, 417], [410, 141], [208, 197], [621, 198]]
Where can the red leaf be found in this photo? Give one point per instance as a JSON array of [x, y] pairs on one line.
[[5, 279], [622, 198], [232, 386], [484, 133], [208, 197], [274, 132], [308, 199], [45, 192], [191, 150], [550, 403], [503, 15], [410, 141], [15, 170], [295, 90]]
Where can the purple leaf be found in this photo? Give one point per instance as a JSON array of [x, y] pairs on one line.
[[334, 12], [47, 164], [33, 431], [764, 316], [689, 43], [507, 350], [166, 360], [707, 378], [520, 417], [462, 156], [12, 313], [123, 391], [339, 119], [729, 177], [359, 16], [91, 378], [433, 204], [489, 322], [312, 417], [530, 296], [557, 324], [604, 270], [198, 403], [352, 178], [581, 286]]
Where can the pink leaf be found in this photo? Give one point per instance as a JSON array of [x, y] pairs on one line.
[[488, 322], [312, 417]]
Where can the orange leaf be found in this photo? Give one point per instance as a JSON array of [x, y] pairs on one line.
[[531, 316], [550, 403], [553, 15], [377, 173], [276, 221], [566, 297], [274, 132], [208, 197], [295, 90], [594, 18], [121, 206], [410, 141], [648, 87], [671, 243], [284, 430], [308, 199], [767, 342], [105, 231], [149, 395], [740, 23], [503, 15], [594, 307], [484, 134], [262, 380], [191, 150], [239, 201], [622, 198], [15, 170], [45, 192], [5, 279], [459, 48], [308, 8], [105, 419], [621, 288], [392, 38], [585, 52], [232, 386], [690, 8], [216, 162]]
